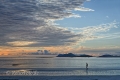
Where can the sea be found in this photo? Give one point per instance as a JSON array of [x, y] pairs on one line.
[[58, 66]]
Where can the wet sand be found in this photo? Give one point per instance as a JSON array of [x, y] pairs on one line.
[[115, 77]]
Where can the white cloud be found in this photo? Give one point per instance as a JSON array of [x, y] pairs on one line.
[[111, 35], [100, 28], [107, 16], [83, 9], [96, 32], [21, 43], [88, 0]]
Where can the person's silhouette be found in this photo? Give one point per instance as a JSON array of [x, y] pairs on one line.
[[86, 66]]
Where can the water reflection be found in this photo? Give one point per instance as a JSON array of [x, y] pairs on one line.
[[21, 72], [58, 72], [86, 71]]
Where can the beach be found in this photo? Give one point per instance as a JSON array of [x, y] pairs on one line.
[[116, 77], [59, 69]]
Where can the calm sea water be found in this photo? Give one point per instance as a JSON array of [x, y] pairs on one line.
[[59, 66]]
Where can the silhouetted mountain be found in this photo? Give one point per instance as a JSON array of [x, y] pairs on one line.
[[66, 55], [73, 55], [85, 55], [108, 55]]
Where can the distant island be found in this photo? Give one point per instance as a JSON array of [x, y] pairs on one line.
[[108, 55], [84, 55], [73, 55]]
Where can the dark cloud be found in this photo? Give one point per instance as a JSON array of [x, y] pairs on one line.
[[32, 21], [46, 36]]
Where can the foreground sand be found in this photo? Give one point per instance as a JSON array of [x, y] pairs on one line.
[[59, 77]]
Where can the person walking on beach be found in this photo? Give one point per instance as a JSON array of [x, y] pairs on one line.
[[86, 66]]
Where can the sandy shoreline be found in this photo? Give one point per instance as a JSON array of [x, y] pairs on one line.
[[114, 77]]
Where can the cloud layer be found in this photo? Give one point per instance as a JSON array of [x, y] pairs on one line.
[[97, 32], [30, 23]]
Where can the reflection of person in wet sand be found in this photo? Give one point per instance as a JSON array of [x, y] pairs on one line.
[[86, 66]]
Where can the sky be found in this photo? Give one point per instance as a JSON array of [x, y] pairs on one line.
[[61, 26]]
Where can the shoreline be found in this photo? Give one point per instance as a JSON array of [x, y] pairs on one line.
[[93, 77]]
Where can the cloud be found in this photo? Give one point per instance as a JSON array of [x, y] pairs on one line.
[[44, 36], [114, 35], [96, 32], [99, 28], [88, 0], [30, 22], [83, 9], [107, 16], [21, 43], [101, 50], [93, 32], [85, 50]]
